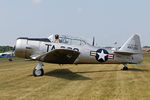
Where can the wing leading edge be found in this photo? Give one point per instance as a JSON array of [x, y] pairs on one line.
[[59, 56]]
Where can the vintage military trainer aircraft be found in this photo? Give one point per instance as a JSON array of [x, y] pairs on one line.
[[66, 50]]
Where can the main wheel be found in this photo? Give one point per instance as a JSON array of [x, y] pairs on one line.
[[38, 72]]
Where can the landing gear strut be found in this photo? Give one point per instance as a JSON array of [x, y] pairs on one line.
[[38, 70], [125, 67]]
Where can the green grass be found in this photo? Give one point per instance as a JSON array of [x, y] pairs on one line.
[[71, 82]]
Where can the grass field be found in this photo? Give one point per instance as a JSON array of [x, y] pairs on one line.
[[71, 82]]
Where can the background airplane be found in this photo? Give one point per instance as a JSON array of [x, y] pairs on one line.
[[76, 51], [6, 54]]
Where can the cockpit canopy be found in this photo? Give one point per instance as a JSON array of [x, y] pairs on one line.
[[71, 41], [68, 40]]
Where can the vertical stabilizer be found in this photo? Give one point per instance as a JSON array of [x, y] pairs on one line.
[[132, 45]]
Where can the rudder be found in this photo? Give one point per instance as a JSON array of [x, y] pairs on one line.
[[132, 45]]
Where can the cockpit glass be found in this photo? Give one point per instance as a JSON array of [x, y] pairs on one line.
[[71, 41], [82, 43], [64, 40], [76, 42]]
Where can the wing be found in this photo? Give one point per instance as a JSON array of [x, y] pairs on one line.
[[59, 56]]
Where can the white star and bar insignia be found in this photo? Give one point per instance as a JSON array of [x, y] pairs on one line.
[[101, 55]]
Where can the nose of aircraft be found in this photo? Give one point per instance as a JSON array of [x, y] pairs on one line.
[[20, 47]]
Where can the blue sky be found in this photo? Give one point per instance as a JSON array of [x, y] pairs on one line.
[[107, 20]]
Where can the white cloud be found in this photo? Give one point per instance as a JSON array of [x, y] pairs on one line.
[[79, 10], [37, 1]]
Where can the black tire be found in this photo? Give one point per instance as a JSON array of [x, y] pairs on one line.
[[125, 68], [38, 72]]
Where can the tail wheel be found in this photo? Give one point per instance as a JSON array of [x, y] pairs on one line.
[[125, 68], [38, 72]]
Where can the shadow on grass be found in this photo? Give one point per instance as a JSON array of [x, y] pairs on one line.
[[98, 71], [69, 75], [66, 74], [130, 69], [135, 69]]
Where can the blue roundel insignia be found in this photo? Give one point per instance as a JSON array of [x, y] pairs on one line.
[[101, 55]]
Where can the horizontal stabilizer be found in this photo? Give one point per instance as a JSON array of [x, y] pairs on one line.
[[125, 53]]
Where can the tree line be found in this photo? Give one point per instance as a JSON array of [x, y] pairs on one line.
[[5, 48]]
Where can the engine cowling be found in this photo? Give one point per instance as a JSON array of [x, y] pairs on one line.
[[20, 47]]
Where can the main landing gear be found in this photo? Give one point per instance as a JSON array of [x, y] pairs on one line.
[[38, 70], [125, 67]]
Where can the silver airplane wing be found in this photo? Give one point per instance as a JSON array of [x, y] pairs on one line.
[[59, 56]]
